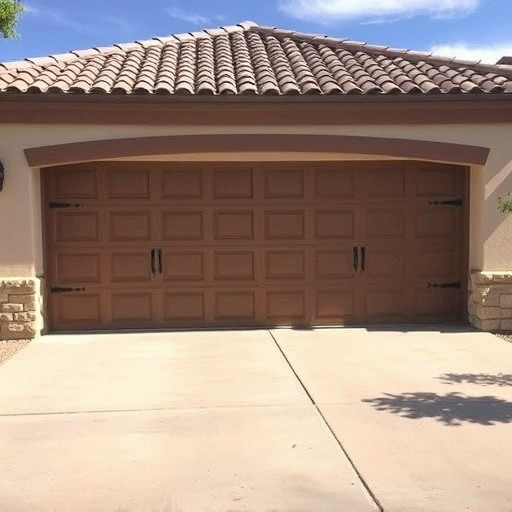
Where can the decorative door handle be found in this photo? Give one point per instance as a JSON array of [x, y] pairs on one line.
[[363, 258], [153, 261], [160, 266], [355, 260]]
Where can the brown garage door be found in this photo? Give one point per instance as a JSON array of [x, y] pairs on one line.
[[153, 245]]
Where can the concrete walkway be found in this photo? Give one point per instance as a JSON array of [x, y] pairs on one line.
[[282, 420]]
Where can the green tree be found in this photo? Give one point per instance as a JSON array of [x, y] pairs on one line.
[[505, 205], [9, 14]]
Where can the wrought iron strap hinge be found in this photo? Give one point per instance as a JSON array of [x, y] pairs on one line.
[[447, 202], [455, 284], [55, 204], [65, 289]]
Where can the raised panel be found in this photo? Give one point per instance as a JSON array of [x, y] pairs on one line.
[[128, 184], [385, 263], [437, 182], [334, 304], [385, 304], [80, 308], [436, 222], [334, 264], [130, 307], [385, 223], [386, 183], [234, 305], [334, 183], [233, 184], [76, 184], [233, 225], [78, 268], [436, 263], [334, 224], [284, 225], [284, 184], [130, 267], [76, 226], [187, 306], [285, 265], [234, 265], [437, 303], [182, 184], [182, 225], [184, 266], [286, 305], [130, 225]]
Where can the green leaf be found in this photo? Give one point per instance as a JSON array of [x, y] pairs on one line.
[[9, 17]]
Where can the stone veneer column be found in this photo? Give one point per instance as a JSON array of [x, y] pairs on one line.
[[490, 300], [20, 311]]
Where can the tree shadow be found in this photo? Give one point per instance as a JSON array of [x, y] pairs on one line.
[[452, 409], [481, 379]]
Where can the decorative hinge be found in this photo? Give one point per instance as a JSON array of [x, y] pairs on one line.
[[55, 204], [64, 289], [455, 284], [447, 202]]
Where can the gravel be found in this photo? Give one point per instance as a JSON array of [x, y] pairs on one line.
[[507, 336], [9, 348]]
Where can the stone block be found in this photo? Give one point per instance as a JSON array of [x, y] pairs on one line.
[[11, 308], [506, 300], [17, 331], [487, 313], [24, 317], [506, 313], [18, 287], [481, 278], [502, 277], [4, 296], [489, 325], [506, 325], [6, 317], [486, 296]]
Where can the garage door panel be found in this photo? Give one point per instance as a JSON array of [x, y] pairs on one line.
[[75, 184], [235, 305], [285, 225], [386, 304], [437, 303], [130, 226], [382, 223], [184, 306], [182, 184], [285, 264], [387, 182], [437, 182], [334, 264], [335, 183], [71, 311], [335, 306], [286, 305], [437, 222], [130, 266], [77, 267], [284, 184], [234, 265], [129, 308], [128, 184], [184, 266], [76, 226], [385, 262], [233, 184], [335, 224], [440, 262], [182, 226], [233, 225]]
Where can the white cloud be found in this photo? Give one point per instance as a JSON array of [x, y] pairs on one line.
[[192, 18], [490, 53], [30, 9], [329, 10]]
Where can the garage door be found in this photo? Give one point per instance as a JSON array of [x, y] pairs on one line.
[[157, 245]]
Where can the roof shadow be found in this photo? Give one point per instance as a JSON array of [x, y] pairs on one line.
[[452, 409], [480, 379]]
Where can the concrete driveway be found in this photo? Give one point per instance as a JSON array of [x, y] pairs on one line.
[[282, 420]]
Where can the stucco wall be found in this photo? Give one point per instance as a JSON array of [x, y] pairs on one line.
[[20, 208]]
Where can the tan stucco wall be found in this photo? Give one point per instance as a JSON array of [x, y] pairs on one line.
[[20, 208]]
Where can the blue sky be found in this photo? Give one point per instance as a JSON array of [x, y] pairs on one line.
[[465, 28]]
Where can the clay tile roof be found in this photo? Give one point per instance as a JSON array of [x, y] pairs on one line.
[[249, 59]]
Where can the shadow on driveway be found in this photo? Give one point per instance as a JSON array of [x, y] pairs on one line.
[[452, 409], [481, 379]]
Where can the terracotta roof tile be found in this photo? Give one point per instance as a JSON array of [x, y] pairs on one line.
[[248, 59]]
